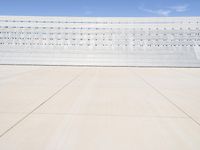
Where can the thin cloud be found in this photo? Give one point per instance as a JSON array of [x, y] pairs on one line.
[[180, 8], [159, 12]]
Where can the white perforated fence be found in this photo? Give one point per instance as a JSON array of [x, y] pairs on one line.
[[100, 41]]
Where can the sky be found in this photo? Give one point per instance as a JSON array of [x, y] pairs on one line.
[[101, 8]]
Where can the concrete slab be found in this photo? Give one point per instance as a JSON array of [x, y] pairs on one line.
[[26, 91], [12, 71], [113, 91], [99, 108], [180, 86], [23, 88], [61, 132]]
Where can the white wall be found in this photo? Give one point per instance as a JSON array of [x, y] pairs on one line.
[[100, 41]]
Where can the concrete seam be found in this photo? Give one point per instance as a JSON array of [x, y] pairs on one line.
[[112, 115]]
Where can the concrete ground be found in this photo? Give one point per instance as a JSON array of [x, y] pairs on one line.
[[97, 108]]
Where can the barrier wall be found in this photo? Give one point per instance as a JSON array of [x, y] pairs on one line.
[[172, 42]]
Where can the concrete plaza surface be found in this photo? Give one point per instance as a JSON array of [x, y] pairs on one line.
[[99, 108]]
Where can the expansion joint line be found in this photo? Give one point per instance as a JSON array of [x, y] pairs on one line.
[[41, 104], [170, 101]]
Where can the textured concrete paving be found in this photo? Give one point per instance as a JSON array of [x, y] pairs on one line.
[[88, 108]]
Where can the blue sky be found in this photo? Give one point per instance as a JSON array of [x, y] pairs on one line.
[[96, 8]]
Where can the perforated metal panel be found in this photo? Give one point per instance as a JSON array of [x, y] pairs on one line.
[[100, 41]]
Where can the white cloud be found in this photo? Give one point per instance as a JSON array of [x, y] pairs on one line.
[[160, 12], [166, 12], [180, 8]]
